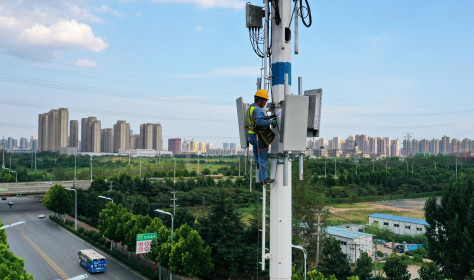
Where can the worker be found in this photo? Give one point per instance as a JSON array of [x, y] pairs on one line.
[[257, 122]]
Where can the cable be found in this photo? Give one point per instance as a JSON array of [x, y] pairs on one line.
[[303, 17]]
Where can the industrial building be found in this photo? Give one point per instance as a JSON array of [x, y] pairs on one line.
[[398, 224], [352, 242]]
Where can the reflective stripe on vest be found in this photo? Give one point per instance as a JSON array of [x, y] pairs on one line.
[[250, 119]]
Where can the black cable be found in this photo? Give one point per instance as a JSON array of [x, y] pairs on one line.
[[277, 12], [303, 17]]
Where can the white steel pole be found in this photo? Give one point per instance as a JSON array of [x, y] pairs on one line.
[[280, 194]]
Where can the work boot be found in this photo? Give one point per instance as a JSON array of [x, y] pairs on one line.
[[268, 181]]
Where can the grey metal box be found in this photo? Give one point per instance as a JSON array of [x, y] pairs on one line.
[[242, 109], [295, 122], [314, 111], [254, 16]]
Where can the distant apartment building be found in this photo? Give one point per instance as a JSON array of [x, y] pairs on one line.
[[34, 143], [193, 146], [121, 136], [209, 146], [395, 148], [23, 143], [53, 130], [202, 147], [90, 135], [107, 140], [74, 133], [174, 145], [135, 142], [151, 136]]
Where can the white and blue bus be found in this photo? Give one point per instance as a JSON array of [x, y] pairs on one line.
[[91, 260]]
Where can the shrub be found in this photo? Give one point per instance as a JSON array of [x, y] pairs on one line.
[[380, 254], [96, 236], [101, 240], [80, 230], [107, 243], [404, 258], [418, 258], [90, 233]]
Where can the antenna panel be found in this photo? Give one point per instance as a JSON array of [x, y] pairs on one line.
[[242, 109]]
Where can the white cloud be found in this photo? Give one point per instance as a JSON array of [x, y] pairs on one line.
[[250, 71], [206, 4], [43, 28], [86, 63], [63, 35]]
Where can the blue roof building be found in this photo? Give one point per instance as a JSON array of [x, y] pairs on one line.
[[399, 224], [352, 242]]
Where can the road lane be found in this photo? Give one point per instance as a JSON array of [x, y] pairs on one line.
[[50, 252]]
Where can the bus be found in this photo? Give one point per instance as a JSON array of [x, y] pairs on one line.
[[91, 260]]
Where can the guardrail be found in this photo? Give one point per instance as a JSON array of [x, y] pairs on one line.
[[29, 188]]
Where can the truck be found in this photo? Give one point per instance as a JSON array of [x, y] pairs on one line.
[[405, 247]]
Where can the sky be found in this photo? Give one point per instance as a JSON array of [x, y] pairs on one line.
[[386, 67]]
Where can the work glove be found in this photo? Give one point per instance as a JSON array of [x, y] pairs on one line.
[[274, 123], [273, 117]]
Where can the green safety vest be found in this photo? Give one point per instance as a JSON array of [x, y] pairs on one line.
[[251, 125]]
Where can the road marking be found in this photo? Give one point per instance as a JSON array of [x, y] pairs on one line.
[[12, 225], [46, 258]]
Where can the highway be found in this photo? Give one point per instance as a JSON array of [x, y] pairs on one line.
[[49, 251]]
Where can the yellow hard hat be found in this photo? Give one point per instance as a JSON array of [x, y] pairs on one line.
[[262, 93]]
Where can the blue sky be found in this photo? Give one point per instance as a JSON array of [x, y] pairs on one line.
[[386, 67]]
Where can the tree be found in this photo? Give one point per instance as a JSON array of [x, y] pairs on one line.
[[430, 271], [3, 235], [189, 256], [364, 266], [58, 200], [450, 232], [395, 269], [334, 260], [12, 267]]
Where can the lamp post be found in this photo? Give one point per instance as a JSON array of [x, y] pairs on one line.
[[104, 197], [304, 254], [75, 207], [140, 168], [75, 171], [168, 213]]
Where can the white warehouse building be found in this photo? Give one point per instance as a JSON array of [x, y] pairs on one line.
[[352, 242], [398, 224]]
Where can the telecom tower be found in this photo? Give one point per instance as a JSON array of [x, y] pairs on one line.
[[299, 119]]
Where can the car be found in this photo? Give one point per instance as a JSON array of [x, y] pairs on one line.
[[4, 198], [41, 216]]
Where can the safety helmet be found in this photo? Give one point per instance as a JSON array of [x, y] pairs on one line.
[[262, 93]]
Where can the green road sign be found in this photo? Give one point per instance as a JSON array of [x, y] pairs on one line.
[[146, 236]]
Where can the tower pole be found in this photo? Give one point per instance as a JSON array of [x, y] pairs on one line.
[[280, 192]]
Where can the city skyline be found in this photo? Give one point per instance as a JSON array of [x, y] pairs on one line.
[[392, 69]]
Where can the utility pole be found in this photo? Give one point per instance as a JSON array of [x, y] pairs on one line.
[[386, 165], [375, 262], [111, 187], [435, 164], [174, 202], [91, 168], [412, 167], [408, 148], [456, 168], [373, 165], [3, 152], [335, 167], [317, 236], [35, 160], [325, 167], [356, 167]]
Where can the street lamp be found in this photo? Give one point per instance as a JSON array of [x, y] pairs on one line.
[[168, 213], [104, 197], [305, 255], [75, 207], [91, 168]]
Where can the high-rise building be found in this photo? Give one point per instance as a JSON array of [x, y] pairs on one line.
[[456, 145], [23, 143], [34, 143], [424, 146], [445, 145], [121, 136], [135, 142], [372, 146], [90, 135], [151, 136], [53, 130], [434, 146], [209, 146], [193, 146], [202, 147], [174, 145], [107, 140], [74, 133], [395, 148], [362, 141]]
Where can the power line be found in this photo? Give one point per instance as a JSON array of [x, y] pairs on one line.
[[103, 91], [32, 104]]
